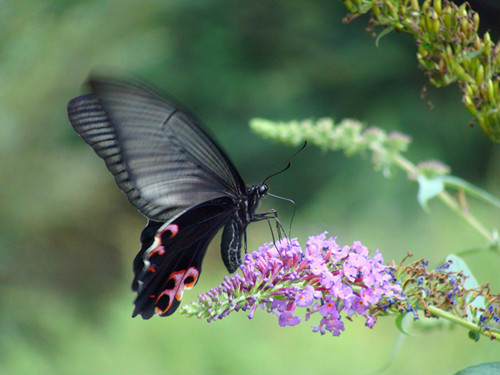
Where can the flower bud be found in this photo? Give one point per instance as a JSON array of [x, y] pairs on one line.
[[435, 25], [469, 91], [348, 5], [487, 38], [446, 19], [437, 6], [480, 74], [462, 10], [425, 5], [470, 105], [478, 43], [449, 52], [491, 91], [464, 25], [422, 51], [475, 20]]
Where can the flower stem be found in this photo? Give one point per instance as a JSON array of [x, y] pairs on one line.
[[445, 197], [493, 334], [467, 216]]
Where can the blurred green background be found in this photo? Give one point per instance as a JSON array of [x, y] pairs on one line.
[[68, 235]]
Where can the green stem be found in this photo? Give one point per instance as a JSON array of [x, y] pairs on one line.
[[493, 334], [472, 220], [447, 199]]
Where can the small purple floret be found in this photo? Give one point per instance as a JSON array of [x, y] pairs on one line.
[[326, 279], [305, 298], [287, 319]]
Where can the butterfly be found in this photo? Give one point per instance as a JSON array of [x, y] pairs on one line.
[[175, 174]]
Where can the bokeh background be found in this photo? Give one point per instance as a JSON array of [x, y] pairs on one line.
[[68, 235]]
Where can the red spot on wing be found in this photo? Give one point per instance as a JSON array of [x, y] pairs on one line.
[[151, 269], [184, 279]]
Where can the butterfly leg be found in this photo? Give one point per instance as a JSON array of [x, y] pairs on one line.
[[245, 240], [272, 215]]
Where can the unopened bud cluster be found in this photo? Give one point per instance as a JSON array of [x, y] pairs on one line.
[[353, 138], [449, 49]]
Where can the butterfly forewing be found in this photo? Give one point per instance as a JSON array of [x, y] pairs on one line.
[[161, 159]]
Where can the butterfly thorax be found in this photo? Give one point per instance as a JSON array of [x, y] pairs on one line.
[[236, 226], [251, 201]]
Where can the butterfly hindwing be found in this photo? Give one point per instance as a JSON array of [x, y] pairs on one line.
[[172, 256]]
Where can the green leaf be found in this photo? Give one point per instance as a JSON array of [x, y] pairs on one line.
[[428, 188], [404, 322], [459, 265], [386, 31], [458, 183], [476, 53], [492, 368], [474, 335]]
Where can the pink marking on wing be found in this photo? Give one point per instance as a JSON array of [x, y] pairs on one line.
[[158, 246], [172, 228], [191, 272], [171, 293]]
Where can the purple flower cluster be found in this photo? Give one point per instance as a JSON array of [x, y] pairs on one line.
[[325, 278]]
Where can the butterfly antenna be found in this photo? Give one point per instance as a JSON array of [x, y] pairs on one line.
[[287, 162]]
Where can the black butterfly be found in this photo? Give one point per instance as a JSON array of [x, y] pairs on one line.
[[176, 176]]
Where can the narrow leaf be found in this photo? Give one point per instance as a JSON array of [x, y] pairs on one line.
[[458, 183], [476, 53], [384, 32], [403, 323]]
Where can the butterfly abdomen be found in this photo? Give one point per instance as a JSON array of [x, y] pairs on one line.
[[231, 244]]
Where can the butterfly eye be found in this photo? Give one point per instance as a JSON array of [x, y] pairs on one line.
[[263, 189]]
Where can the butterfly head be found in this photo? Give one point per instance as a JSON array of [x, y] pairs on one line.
[[257, 190], [262, 190]]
